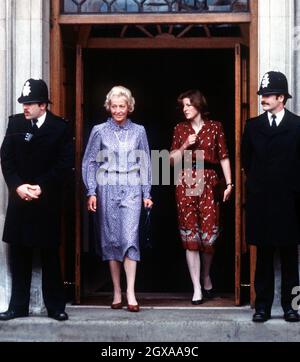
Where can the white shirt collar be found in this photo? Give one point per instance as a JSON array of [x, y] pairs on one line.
[[41, 120], [279, 117]]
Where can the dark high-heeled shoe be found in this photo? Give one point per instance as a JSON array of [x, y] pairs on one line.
[[133, 308], [197, 302], [208, 293], [117, 305]]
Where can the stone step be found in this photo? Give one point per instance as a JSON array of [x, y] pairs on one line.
[[192, 324]]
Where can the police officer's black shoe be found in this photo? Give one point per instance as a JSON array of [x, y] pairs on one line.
[[12, 314], [291, 316], [59, 316], [261, 316]]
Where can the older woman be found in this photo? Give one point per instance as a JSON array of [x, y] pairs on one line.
[[198, 212], [117, 175]]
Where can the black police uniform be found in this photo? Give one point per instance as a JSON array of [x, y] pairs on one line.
[[43, 159], [271, 160]]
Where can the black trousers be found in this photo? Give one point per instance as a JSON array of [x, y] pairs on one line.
[[265, 280], [52, 284]]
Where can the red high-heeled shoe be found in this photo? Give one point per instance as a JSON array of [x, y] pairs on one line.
[[133, 308], [117, 305]]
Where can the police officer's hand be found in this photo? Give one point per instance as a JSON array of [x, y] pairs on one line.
[[191, 140], [27, 192], [35, 189], [92, 203]]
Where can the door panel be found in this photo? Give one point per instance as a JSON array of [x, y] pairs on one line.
[[241, 115], [78, 154]]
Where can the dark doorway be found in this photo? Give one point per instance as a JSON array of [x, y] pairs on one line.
[[156, 78]]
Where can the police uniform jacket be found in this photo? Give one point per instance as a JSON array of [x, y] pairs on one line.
[[43, 160], [271, 160]]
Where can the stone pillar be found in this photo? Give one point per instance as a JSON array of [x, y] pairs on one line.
[[5, 108], [24, 53], [31, 36], [276, 27], [276, 42], [296, 54]]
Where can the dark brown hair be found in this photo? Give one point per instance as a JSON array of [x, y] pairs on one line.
[[197, 100]]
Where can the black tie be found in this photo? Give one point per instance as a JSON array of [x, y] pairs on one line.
[[274, 124], [34, 126]]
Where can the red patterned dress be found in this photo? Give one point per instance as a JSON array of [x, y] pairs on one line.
[[198, 216]]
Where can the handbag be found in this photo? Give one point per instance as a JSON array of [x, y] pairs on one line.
[[145, 230]]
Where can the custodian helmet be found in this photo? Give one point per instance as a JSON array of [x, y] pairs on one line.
[[34, 91], [274, 83]]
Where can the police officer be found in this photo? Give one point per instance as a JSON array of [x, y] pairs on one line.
[[271, 161], [36, 155]]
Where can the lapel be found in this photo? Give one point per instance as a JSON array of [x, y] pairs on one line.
[[285, 125], [264, 125], [26, 125], [46, 127]]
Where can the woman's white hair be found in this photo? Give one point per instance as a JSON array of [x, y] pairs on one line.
[[120, 91]]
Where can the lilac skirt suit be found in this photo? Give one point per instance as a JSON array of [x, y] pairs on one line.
[[117, 169]]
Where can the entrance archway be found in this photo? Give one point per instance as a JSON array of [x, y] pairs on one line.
[[78, 39]]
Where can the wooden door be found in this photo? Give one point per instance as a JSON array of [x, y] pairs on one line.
[[78, 183], [241, 115]]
